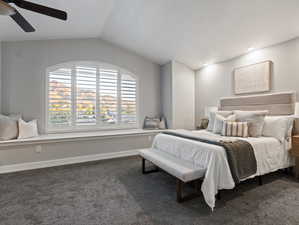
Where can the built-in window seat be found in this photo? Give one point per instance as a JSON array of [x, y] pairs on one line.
[[77, 136], [69, 148]]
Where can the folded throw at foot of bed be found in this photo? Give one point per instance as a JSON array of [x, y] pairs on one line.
[[240, 154]]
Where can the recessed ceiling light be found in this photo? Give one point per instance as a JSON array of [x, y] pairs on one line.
[[250, 49], [207, 64]]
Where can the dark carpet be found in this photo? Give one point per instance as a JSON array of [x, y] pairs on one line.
[[115, 192]]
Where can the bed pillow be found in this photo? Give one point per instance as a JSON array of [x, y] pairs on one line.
[[235, 129], [212, 116], [27, 129], [255, 120], [219, 121], [279, 127], [9, 127]]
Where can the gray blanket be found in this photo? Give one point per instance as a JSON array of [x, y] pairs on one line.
[[240, 154]]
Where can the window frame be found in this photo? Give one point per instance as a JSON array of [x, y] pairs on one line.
[[96, 127]]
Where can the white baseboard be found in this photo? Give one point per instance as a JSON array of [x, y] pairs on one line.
[[65, 161]]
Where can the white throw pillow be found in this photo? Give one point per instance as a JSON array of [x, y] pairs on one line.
[[9, 127], [27, 129], [255, 120], [219, 122], [212, 116], [279, 127]]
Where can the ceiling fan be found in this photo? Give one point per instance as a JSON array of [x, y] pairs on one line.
[[8, 10]]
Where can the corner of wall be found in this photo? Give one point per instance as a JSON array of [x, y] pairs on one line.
[[0, 76], [166, 92]]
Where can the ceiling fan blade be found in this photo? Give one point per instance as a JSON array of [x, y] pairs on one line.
[[22, 22], [59, 14]]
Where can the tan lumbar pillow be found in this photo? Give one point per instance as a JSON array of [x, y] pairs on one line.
[[235, 129], [27, 129]]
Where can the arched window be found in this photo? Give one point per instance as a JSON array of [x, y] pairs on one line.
[[89, 95]]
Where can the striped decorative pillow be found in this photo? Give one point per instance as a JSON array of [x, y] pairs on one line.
[[235, 129]]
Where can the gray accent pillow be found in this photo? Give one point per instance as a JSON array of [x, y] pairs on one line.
[[212, 116], [9, 127], [151, 123], [255, 120], [219, 122]]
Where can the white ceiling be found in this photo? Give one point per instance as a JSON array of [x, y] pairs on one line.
[[194, 32]]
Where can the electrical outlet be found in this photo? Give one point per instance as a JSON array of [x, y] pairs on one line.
[[38, 149]]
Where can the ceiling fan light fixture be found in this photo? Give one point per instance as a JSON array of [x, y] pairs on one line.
[[6, 9]]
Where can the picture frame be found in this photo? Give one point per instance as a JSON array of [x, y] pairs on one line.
[[253, 78]]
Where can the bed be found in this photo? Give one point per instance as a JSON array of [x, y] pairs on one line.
[[271, 154]]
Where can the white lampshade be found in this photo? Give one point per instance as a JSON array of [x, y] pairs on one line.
[[297, 109], [6, 9], [209, 109]]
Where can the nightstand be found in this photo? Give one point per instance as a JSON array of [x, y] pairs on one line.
[[295, 153]]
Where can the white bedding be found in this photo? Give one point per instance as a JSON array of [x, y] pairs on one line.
[[270, 154]]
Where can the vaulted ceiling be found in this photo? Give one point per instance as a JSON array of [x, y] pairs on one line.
[[194, 32]]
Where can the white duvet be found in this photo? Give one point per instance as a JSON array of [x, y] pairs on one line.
[[270, 154]]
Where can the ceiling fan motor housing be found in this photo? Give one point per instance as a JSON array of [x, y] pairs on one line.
[[8, 10]]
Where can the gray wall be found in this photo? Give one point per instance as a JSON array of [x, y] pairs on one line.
[[166, 92], [177, 94], [25, 63], [183, 96], [215, 81], [0, 74]]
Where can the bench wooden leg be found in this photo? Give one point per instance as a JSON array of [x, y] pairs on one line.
[[179, 190], [197, 185], [218, 196], [144, 171], [179, 184], [260, 181]]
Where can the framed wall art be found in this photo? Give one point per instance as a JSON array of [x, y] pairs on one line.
[[253, 78]]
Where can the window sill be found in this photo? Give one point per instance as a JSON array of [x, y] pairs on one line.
[[78, 136], [90, 129]]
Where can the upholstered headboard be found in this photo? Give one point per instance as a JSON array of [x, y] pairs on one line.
[[277, 103], [282, 103]]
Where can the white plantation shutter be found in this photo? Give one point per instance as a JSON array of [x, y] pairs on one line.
[[108, 96], [128, 99], [85, 95], [86, 78], [60, 97]]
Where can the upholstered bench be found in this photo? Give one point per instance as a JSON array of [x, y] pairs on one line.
[[183, 171]]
